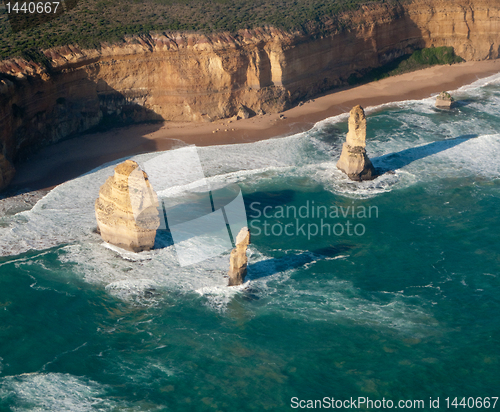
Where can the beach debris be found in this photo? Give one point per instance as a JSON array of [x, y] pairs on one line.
[[353, 161], [282, 117], [126, 209], [444, 100], [238, 260], [7, 172]]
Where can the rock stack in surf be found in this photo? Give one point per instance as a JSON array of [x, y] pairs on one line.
[[126, 209], [353, 161], [444, 100], [238, 259], [7, 172]]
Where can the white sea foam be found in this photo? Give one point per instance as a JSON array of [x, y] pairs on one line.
[[50, 392], [124, 289], [220, 296], [344, 302], [142, 280], [480, 83]]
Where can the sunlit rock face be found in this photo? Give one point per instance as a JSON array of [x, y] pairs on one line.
[[238, 259], [353, 161], [126, 210]]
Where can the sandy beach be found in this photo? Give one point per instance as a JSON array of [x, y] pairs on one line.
[[66, 160]]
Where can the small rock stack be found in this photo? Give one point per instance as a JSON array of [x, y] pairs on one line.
[[444, 100], [126, 210], [238, 259], [353, 161]]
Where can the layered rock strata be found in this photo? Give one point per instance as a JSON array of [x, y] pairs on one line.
[[126, 210], [238, 260], [353, 161]]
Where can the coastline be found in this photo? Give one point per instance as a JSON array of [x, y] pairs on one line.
[[70, 158]]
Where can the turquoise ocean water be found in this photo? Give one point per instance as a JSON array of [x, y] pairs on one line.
[[405, 308]]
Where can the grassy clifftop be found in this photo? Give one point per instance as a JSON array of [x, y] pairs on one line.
[[93, 21]]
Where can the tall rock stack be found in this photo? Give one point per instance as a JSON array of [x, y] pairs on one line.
[[7, 172], [353, 161], [238, 259], [126, 209]]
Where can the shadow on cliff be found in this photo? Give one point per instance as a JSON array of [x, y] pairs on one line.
[[397, 160], [92, 125]]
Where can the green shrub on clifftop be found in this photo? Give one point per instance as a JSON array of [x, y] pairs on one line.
[[420, 59]]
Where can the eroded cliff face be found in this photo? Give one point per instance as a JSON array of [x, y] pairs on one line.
[[189, 77]]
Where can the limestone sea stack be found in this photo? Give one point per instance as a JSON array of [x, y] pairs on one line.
[[126, 209], [7, 172], [353, 161], [444, 100], [238, 259]]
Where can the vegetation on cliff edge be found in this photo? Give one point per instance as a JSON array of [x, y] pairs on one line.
[[91, 22], [420, 59]]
